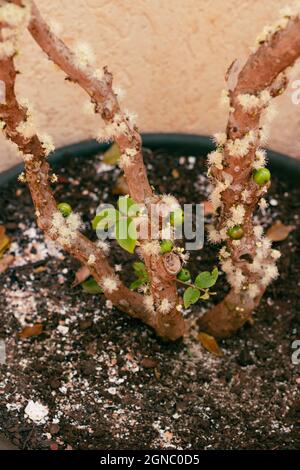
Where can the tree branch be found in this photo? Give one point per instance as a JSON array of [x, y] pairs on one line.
[[162, 279], [249, 262]]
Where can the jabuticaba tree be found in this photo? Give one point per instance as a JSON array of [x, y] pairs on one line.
[[239, 176], [157, 302]]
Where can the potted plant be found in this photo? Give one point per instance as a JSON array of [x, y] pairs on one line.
[[145, 222]]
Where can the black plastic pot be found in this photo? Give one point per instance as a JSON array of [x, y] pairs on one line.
[[185, 144]]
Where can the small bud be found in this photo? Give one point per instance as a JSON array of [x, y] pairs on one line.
[[236, 232], [166, 246], [54, 178], [261, 176], [22, 178], [65, 209], [184, 275]]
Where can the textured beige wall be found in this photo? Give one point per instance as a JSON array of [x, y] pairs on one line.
[[169, 55]]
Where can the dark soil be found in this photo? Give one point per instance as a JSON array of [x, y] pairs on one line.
[[107, 380]]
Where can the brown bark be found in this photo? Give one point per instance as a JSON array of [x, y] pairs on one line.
[[261, 71], [171, 325]]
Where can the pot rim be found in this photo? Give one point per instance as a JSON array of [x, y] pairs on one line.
[[189, 144]]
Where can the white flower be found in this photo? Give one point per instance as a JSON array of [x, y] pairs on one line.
[[264, 35], [57, 221], [165, 306], [83, 55], [258, 231], [275, 254], [245, 195], [220, 138], [7, 49], [253, 291], [249, 102], [270, 273], [223, 253], [125, 161], [148, 303], [240, 147], [238, 214], [104, 134], [170, 201], [225, 100], [151, 248], [260, 159], [91, 260], [109, 284], [213, 234], [263, 204], [73, 221], [236, 279], [119, 92], [27, 128], [131, 117], [98, 74], [256, 265], [13, 15], [104, 246], [215, 195], [47, 143], [215, 158], [227, 266]]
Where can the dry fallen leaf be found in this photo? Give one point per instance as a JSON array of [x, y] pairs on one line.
[[112, 155], [81, 275], [4, 240], [121, 187], [5, 262], [30, 331], [175, 173], [208, 208], [40, 269], [279, 232], [168, 436], [209, 343]]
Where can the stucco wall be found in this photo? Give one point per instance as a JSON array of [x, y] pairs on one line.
[[169, 55]]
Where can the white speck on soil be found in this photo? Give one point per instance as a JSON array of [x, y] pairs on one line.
[[36, 412]]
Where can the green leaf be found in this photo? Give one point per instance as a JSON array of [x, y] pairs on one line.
[[91, 287], [139, 268], [206, 279], [136, 284], [112, 155], [126, 234], [105, 219], [190, 296]]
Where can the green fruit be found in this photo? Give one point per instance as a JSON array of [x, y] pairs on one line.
[[261, 176], [176, 217], [166, 246], [236, 232], [184, 275], [65, 209]]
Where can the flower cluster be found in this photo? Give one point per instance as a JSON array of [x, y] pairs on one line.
[[65, 229]]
